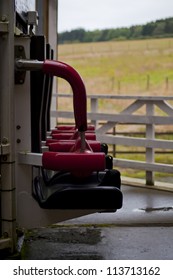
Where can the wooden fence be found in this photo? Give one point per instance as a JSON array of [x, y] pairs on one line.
[[157, 114]]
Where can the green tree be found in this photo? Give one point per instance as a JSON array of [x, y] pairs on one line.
[[159, 29], [162, 27], [148, 29]]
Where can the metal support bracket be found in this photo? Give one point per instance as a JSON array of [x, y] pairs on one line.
[[3, 27], [4, 149], [34, 159], [19, 53], [22, 65], [5, 243]]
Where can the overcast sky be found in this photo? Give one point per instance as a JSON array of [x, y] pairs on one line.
[[100, 14]]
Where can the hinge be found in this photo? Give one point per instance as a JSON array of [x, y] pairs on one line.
[[5, 243], [4, 25], [4, 149], [19, 54]]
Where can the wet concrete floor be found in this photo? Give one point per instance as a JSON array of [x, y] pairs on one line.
[[142, 229]]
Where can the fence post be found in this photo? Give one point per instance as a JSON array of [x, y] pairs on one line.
[[167, 83], [150, 134], [94, 109], [119, 86], [114, 146], [148, 82]]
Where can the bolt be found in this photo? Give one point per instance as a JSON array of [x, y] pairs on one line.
[[4, 140], [5, 234], [18, 141], [4, 18], [20, 48], [18, 127], [4, 158]]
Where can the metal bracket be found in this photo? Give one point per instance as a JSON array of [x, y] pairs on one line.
[[19, 75], [4, 147], [5, 243], [32, 18], [3, 27], [28, 158]]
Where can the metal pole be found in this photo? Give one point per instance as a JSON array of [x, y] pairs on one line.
[[8, 213]]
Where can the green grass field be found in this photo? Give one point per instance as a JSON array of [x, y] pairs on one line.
[[142, 67]]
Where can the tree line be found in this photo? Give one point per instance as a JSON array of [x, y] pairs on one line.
[[155, 29]]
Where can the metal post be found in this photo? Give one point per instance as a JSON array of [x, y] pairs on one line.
[[8, 213], [47, 25], [94, 109], [114, 146]]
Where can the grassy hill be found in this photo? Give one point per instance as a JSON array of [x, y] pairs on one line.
[[142, 67]]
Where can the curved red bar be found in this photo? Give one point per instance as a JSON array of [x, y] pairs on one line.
[[63, 70]]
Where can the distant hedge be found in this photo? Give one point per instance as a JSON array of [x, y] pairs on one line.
[[155, 29]]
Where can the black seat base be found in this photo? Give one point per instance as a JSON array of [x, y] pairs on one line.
[[100, 191]]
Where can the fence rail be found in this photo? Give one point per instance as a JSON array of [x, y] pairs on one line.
[[130, 116]]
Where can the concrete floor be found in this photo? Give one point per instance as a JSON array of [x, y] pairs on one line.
[[142, 229]]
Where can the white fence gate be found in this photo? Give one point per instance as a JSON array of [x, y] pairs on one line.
[[157, 113]]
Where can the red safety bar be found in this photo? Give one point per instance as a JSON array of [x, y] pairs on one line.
[[67, 145], [81, 161], [63, 70], [74, 161], [66, 136], [72, 127], [72, 131]]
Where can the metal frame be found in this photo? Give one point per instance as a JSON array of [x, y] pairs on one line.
[[29, 214], [8, 213], [17, 206]]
